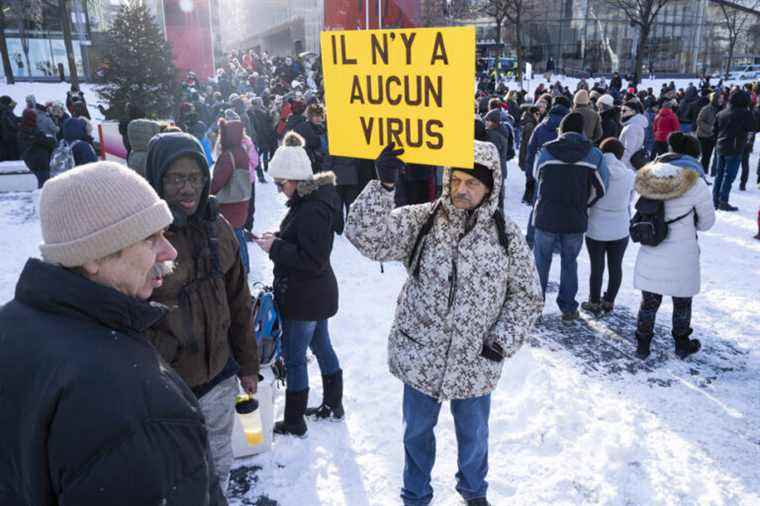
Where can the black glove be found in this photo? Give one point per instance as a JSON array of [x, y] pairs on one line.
[[388, 165], [530, 187], [493, 352]]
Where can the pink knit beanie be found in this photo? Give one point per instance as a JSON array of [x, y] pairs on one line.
[[96, 210]]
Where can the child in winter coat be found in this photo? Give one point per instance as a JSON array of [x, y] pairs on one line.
[[673, 266], [607, 233]]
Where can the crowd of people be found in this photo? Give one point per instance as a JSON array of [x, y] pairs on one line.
[[144, 301], [41, 129]]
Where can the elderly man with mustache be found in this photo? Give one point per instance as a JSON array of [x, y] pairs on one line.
[[89, 412]]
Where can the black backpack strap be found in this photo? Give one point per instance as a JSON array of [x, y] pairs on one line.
[[418, 243], [669, 222], [501, 230], [213, 246]]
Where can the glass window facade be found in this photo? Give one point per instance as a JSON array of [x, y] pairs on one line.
[[44, 56]]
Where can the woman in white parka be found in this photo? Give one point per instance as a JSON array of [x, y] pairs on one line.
[[633, 134], [672, 267], [607, 231]]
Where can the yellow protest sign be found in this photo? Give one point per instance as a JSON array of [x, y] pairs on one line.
[[410, 86]]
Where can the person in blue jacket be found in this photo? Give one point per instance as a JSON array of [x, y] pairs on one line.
[[75, 134], [572, 176], [546, 131]]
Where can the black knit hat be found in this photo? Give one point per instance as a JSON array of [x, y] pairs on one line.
[[479, 172], [573, 122], [494, 116], [684, 144]]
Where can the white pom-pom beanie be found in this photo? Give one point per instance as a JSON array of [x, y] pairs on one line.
[[291, 161], [96, 210]]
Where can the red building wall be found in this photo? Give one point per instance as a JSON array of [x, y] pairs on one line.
[[188, 30], [350, 14]]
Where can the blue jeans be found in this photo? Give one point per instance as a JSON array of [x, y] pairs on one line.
[[299, 335], [243, 250], [570, 246], [471, 423], [728, 167]]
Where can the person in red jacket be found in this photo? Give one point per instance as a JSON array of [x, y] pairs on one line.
[[665, 123], [231, 181]]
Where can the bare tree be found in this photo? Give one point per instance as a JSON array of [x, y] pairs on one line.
[[736, 17], [517, 14], [512, 14], [641, 14], [495, 9], [442, 12], [8, 70], [65, 10]]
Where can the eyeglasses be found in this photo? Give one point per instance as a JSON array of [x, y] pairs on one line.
[[180, 180]]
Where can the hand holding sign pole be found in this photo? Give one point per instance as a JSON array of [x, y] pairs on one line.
[[410, 87]]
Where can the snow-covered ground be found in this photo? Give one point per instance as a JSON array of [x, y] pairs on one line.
[[576, 418]]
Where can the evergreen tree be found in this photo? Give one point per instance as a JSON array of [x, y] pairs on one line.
[[137, 67]]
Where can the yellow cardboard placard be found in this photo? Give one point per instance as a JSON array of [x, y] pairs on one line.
[[411, 86]]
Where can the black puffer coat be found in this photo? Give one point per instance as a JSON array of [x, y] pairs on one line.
[[734, 125], [304, 282], [35, 148], [312, 134], [89, 413]]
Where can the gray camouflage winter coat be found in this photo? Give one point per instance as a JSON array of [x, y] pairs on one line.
[[446, 314]]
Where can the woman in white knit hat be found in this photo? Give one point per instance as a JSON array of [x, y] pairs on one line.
[[86, 399], [305, 287]]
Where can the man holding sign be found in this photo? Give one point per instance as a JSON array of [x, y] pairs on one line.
[[470, 301]]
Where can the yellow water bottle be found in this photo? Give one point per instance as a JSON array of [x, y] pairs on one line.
[[250, 418]]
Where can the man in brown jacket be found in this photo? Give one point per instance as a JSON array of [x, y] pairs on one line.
[[207, 335], [592, 122]]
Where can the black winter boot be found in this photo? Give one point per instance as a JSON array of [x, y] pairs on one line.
[[480, 501], [332, 398], [294, 423], [644, 334], [686, 346], [643, 342]]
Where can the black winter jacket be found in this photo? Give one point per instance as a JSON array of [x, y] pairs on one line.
[[304, 282], [9, 124], [89, 412], [312, 135], [35, 148], [734, 125], [611, 125]]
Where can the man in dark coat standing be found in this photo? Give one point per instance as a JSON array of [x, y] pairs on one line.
[[8, 129], [732, 127], [89, 412]]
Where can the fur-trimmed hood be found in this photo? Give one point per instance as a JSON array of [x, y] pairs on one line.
[[664, 181], [309, 186]]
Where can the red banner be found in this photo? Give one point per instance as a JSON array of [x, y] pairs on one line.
[[352, 14], [188, 30]]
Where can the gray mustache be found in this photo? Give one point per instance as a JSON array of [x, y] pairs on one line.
[[162, 269]]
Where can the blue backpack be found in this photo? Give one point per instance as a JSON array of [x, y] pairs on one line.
[[267, 325]]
